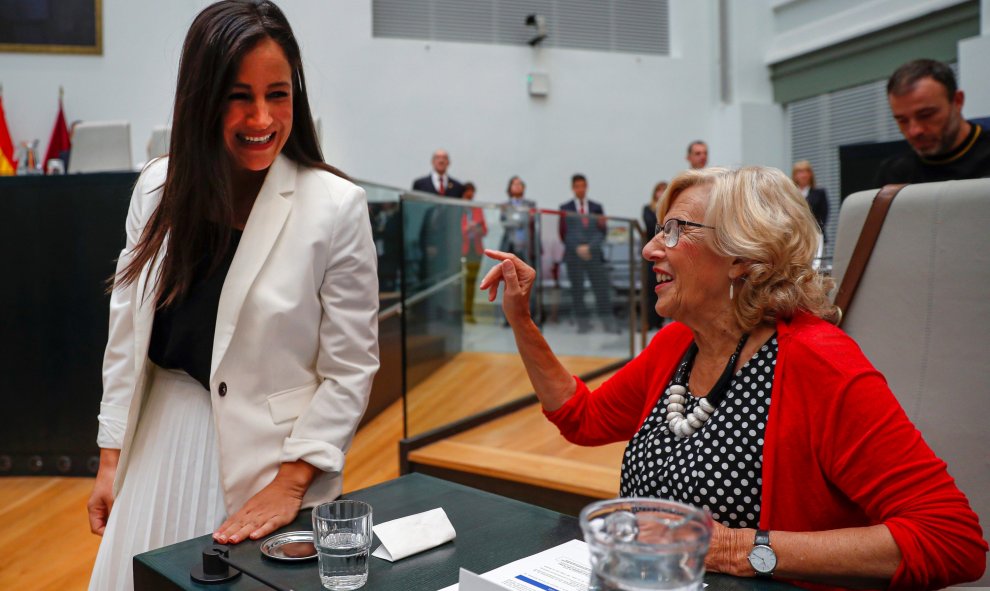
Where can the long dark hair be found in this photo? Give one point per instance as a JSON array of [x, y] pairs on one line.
[[196, 211]]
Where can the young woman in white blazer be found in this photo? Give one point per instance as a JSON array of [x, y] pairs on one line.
[[243, 317]]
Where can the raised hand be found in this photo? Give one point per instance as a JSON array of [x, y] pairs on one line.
[[518, 278]]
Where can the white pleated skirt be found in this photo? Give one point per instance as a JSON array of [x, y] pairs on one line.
[[172, 489]]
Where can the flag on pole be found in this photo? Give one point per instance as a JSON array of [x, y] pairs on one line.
[[60, 136], [8, 165]]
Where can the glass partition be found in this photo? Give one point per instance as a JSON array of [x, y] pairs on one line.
[[589, 289], [461, 356], [386, 230]]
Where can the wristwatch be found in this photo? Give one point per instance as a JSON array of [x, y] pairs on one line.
[[762, 557]]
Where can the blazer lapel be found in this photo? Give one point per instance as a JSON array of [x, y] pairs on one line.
[[268, 215]]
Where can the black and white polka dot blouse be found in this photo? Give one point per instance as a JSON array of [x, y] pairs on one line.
[[719, 467]]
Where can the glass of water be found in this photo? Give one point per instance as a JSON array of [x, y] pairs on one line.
[[342, 534], [638, 544]]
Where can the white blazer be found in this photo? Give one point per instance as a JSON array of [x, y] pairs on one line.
[[296, 341]]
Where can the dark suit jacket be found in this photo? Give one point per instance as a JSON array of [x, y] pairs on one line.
[[425, 184], [573, 231], [818, 201], [649, 221]]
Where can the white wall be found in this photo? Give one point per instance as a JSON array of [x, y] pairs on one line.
[[803, 26], [750, 128], [622, 119], [973, 77]]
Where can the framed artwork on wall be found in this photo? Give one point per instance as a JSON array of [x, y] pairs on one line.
[[51, 26]]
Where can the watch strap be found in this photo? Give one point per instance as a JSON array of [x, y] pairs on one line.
[[762, 538]]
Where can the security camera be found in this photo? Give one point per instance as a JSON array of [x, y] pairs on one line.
[[540, 22]]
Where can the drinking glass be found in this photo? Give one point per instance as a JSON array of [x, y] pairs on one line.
[[639, 544], [342, 535]]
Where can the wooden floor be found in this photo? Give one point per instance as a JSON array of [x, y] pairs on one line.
[[53, 510]]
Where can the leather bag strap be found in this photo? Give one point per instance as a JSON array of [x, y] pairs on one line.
[[864, 247]]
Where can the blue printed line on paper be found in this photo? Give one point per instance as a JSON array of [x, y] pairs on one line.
[[526, 579]]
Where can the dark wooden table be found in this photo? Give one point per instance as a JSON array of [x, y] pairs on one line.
[[491, 531]]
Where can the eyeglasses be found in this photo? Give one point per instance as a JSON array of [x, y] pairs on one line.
[[671, 230]]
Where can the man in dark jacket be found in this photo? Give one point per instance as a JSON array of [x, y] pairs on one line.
[[583, 230], [438, 182], [927, 105]]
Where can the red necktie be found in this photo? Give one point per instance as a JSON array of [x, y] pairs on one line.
[[443, 190], [584, 220]]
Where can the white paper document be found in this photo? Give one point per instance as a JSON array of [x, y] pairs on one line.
[[566, 567], [562, 568]]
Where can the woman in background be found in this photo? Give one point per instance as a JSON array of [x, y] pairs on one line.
[[473, 231], [243, 316], [804, 177], [649, 224]]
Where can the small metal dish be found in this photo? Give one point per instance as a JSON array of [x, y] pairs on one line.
[[293, 546]]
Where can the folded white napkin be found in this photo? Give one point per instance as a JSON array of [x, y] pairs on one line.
[[412, 534]]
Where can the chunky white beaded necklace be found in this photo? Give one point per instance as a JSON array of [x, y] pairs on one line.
[[686, 426]]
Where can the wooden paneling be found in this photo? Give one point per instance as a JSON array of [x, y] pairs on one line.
[[473, 382], [525, 447]]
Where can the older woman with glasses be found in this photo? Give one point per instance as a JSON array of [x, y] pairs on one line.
[[754, 405]]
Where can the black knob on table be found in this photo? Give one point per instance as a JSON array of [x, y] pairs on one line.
[[213, 569]]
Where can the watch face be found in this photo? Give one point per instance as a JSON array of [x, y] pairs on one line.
[[762, 559]]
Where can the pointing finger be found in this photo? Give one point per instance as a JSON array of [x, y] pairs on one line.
[[511, 277]]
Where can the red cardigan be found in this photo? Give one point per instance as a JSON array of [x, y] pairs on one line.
[[839, 450]]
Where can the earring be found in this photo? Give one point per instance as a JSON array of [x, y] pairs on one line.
[[731, 285]]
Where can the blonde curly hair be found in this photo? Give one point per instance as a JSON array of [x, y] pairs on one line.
[[760, 216]]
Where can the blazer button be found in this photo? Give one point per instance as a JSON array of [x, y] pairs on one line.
[[223, 389]]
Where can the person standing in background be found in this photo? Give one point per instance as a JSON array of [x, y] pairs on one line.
[[804, 177], [517, 218], [697, 154], [438, 181], [654, 321], [473, 230], [583, 230], [439, 226], [520, 227]]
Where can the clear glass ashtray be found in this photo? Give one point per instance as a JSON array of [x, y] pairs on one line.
[[293, 546]]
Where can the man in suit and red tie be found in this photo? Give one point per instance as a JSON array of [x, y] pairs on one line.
[[440, 222], [438, 182], [583, 230]]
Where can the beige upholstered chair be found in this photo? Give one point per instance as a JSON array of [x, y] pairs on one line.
[[922, 316], [101, 146], [158, 145]]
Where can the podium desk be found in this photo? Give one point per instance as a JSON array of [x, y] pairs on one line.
[[491, 531]]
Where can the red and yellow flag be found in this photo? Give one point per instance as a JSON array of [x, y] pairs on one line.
[[8, 165]]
